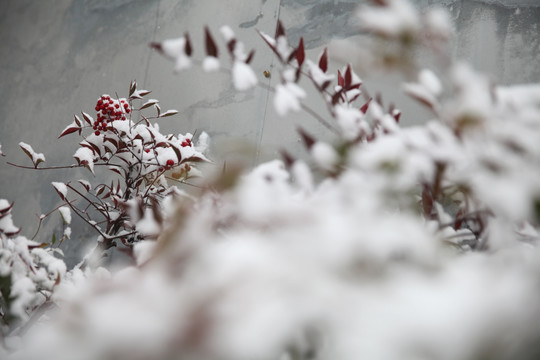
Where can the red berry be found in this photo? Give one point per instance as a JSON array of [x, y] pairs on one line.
[[128, 111], [95, 127], [160, 169], [170, 162], [97, 132], [126, 105], [146, 150], [117, 106]]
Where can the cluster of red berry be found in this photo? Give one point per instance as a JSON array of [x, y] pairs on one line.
[[109, 109]]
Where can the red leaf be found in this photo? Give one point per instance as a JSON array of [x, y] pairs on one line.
[[132, 87], [308, 139], [188, 49], [272, 46], [280, 31], [115, 170], [230, 46], [289, 160], [348, 77], [340, 80], [364, 108], [250, 56], [323, 61], [211, 48], [69, 130], [77, 120], [300, 52], [87, 118]]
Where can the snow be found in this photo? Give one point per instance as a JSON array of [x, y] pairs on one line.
[[210, 63], [397, 17], [317, 74], [227, 33], [243, 76], [65, 212], [288, 98], [349, 121], [429, 80], [61, 188], [36, 157], [85, 156], [148, 226], [325, 156], [175, 49]]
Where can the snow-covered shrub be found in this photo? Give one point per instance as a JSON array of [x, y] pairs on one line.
[[416, 243], [130, 208], [29, 272]]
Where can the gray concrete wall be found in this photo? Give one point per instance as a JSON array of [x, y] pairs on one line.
[[57, 57]]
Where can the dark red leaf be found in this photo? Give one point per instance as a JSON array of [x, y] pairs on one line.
[[348, 77], [325, 85], [300, 52], [308, 139], [188, 49], [156, 46], [69, 130], [280, 31], [323, 61], [272, 46], [230, 46], [178, 153], [250, 56], [364, 108], [115, 170], [211, 48], [78, 121], [87, 118], [340, 80], [336, 97], [132, 87], [292, 55], [289, 160]]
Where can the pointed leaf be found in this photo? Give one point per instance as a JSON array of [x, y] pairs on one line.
[[230, 46], [348, 77], [87, 118], [169, 113], [250, 56], [211, 48], [77, 120], [280, 31], [323, 61], [365, 106], [85, 184], [188, 49], [300, 52], [69, 129], [148, 104], [306, 138], [341, 81]]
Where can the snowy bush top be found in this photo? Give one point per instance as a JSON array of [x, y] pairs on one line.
[[389, 243]]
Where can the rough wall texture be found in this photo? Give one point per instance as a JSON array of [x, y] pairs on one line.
[[57, 57]]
